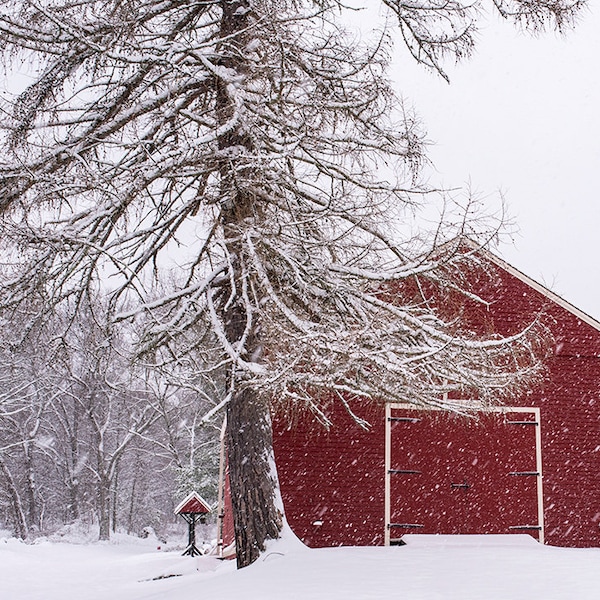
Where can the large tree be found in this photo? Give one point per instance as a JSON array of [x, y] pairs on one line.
[[253, 154]]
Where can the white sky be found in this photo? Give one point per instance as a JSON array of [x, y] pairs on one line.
[[521, 116]]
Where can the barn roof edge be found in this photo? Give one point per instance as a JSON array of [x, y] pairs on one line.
[[542, 289]]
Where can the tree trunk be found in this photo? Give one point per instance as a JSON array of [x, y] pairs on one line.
[[73, 493], [253, 480], [73, 460], [257, 514], [20, 520], [104, 508], [115, 498], [132, 502], [30, 491], [252, 477]]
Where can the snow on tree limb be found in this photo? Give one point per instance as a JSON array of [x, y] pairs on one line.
[[240, 176]]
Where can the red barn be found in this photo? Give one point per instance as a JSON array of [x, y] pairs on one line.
[[533, 467]]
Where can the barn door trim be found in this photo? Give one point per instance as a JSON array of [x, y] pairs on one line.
[[502, 410]]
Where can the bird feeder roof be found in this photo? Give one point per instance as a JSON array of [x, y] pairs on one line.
[[193, 504]]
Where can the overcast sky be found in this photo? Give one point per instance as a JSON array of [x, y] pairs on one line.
[[522, 116]]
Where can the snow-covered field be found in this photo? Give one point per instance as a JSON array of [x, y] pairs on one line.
[[427, 568]]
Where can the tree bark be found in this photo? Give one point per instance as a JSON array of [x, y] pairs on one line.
[[257, 516], [252, 477], [30, 489], [252, 473], [104, 508], [73, 460], [115, 498]]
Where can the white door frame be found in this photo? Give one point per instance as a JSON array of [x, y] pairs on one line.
[[499, 409]]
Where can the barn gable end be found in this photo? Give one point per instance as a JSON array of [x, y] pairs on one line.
[[338, 490]]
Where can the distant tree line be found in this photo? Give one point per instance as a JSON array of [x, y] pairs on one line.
[[91, 435]]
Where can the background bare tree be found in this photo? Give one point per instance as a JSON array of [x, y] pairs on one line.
[[26, 395], [255, 151], [86, 436]]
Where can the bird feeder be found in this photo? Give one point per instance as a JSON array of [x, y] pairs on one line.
[[193, 508]]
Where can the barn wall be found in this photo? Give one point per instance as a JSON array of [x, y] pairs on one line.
[[226, 532], [569, 401], [333, 481]]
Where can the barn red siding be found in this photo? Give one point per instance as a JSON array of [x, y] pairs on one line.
[[570, 412], [333, 482]]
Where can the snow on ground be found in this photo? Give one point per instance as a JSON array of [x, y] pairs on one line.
[[428, 568]]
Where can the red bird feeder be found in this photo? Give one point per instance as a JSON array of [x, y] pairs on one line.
[[193, 508]]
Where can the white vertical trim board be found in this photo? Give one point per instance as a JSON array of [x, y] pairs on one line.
[[388, 466], [540, 480]]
